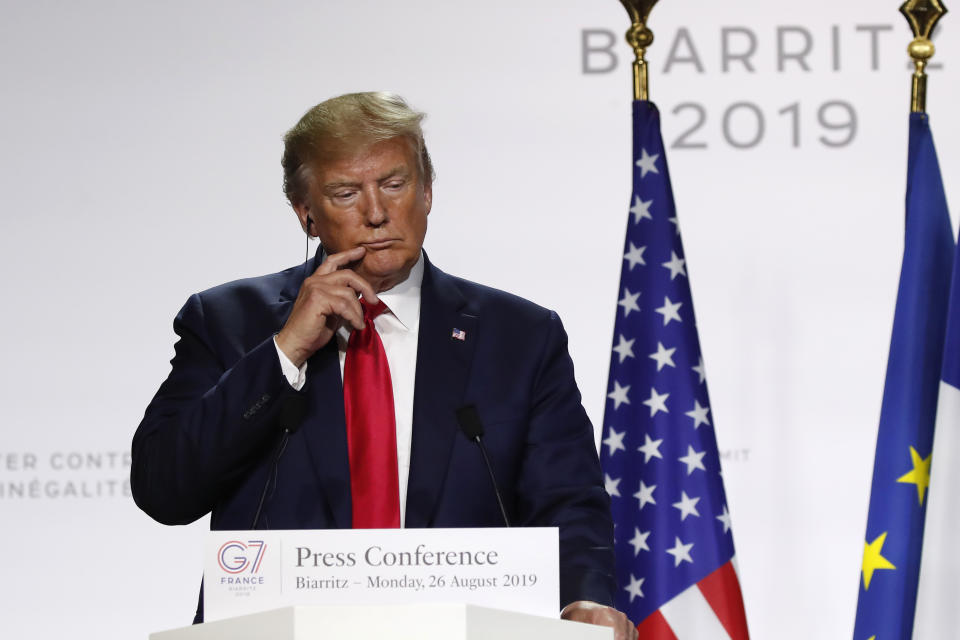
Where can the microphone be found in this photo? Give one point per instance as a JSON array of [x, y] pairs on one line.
[[472, 427], [292, 412]]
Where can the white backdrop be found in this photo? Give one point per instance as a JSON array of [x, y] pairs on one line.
[[139, 162]]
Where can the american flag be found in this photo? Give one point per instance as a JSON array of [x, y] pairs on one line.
[[673, 542]]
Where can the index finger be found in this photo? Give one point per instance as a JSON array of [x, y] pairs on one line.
[[361, 286], [336, 261]]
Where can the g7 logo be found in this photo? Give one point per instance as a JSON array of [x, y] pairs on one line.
[[235, 556]]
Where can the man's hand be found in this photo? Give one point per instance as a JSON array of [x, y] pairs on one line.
[[594, 613], [327, 301]]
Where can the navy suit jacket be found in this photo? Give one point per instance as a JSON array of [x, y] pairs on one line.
[[208, 438]]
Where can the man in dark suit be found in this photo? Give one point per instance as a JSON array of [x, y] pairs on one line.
[[327, 395]]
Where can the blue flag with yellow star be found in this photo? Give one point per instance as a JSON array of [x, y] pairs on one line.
[[901, 472]]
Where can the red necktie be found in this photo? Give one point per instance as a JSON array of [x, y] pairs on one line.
[[371, 428]]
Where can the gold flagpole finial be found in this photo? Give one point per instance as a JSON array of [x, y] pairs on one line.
[[639, 37], [922, 16]]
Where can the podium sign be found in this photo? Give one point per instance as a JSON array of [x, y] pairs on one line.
[[514, 569]]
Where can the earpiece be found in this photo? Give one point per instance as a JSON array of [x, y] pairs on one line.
[[306, 253]]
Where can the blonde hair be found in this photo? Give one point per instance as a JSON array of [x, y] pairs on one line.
[[349, 121]]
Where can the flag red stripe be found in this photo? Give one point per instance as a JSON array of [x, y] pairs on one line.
[[655, 627], [721, 589]]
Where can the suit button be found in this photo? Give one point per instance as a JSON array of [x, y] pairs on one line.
[[257, 406]]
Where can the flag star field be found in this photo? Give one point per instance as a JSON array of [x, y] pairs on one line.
[[659, 450]]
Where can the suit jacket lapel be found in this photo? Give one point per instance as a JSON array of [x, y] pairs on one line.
[[324, 427], [325, 432], [443, 367]]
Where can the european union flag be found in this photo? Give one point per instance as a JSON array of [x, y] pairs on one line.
[[901, 472], [673, 542]]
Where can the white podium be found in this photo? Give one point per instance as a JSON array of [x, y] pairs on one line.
[[397, 622]]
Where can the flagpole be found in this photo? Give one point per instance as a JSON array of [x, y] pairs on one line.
[[639, 37], [922, 16], [673, 541]]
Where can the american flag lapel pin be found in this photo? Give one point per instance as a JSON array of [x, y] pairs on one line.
[[459, 334]]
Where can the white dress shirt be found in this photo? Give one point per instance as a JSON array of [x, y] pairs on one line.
[[399, 330]]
